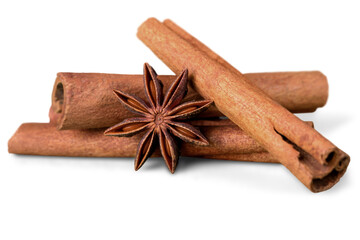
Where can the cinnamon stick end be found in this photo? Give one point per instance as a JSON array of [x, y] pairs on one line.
[[329, 180], [57, 109], [13, 141]]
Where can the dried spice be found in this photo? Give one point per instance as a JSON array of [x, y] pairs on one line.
[[297, 91], [312, 158], [159, 117]]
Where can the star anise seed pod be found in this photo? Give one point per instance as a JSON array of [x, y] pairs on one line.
[[159, 118]]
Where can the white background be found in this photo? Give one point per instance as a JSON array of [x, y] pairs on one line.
[[92, 198]]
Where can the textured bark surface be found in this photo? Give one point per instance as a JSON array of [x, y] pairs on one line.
[[86, 100], [313, 159], [226, 142]]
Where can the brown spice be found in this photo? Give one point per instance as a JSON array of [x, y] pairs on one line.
[[297, 91], [305, 152], [226, 141], [160, 116]]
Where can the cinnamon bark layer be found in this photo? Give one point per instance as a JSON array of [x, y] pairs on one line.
[[313, 159], [226, 142], [85, 100]]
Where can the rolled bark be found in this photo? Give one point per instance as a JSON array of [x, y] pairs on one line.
[[313, 159], [85, 100], [226, 142]]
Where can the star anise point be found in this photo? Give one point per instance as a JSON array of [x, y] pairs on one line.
[[159, 117]]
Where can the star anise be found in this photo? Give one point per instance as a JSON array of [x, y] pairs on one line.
[[159, 118]]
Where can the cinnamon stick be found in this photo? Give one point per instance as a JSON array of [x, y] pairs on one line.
[[227, 142], [85, 100], [313, 159]]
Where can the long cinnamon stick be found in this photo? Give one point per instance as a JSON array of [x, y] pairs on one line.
[[313, 159], [85, 100], [227, 142]]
